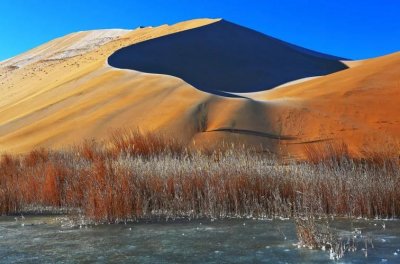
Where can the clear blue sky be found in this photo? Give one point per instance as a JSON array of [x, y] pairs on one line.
[[346, 28]]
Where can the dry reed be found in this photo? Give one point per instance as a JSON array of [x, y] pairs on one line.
[[141, 176]]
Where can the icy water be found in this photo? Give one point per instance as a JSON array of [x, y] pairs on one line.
[[54, 240]]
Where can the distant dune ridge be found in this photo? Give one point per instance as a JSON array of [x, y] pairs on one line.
[[182, 80]]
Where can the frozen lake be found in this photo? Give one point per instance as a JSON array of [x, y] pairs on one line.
[[51, 239]]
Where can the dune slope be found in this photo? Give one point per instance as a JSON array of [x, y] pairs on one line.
[[359, 106], [53, 102]]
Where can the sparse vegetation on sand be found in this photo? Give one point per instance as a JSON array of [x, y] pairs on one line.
[[136, 176]]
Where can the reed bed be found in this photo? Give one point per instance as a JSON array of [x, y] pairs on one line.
[[137, 176]]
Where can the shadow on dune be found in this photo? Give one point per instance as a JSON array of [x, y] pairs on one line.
[[223, 58], [252, 133]]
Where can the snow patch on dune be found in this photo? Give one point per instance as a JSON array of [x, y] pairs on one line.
[[62, 48]]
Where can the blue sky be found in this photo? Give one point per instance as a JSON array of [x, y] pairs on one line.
[[352, 29]]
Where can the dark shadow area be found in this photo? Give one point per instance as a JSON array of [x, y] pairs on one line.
[[223, 58], [252, 133]]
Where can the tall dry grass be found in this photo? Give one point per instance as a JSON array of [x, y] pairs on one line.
[[141, 176]]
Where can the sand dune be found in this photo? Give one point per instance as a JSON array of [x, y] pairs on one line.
[[44, 101], [65, 91], [359, 106], [223, 58]]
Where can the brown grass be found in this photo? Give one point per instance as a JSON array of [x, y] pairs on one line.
[[133, 143], [331, 153], [141, 176]]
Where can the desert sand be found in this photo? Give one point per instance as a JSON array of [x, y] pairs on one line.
[[65, 91]]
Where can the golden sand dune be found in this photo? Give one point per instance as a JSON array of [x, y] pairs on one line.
[[53, 101], [359, 106], [64, 91]]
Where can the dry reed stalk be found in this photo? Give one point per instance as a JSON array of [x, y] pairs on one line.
[[145, 176]]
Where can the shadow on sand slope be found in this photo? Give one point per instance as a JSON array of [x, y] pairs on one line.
[[223, 58]]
